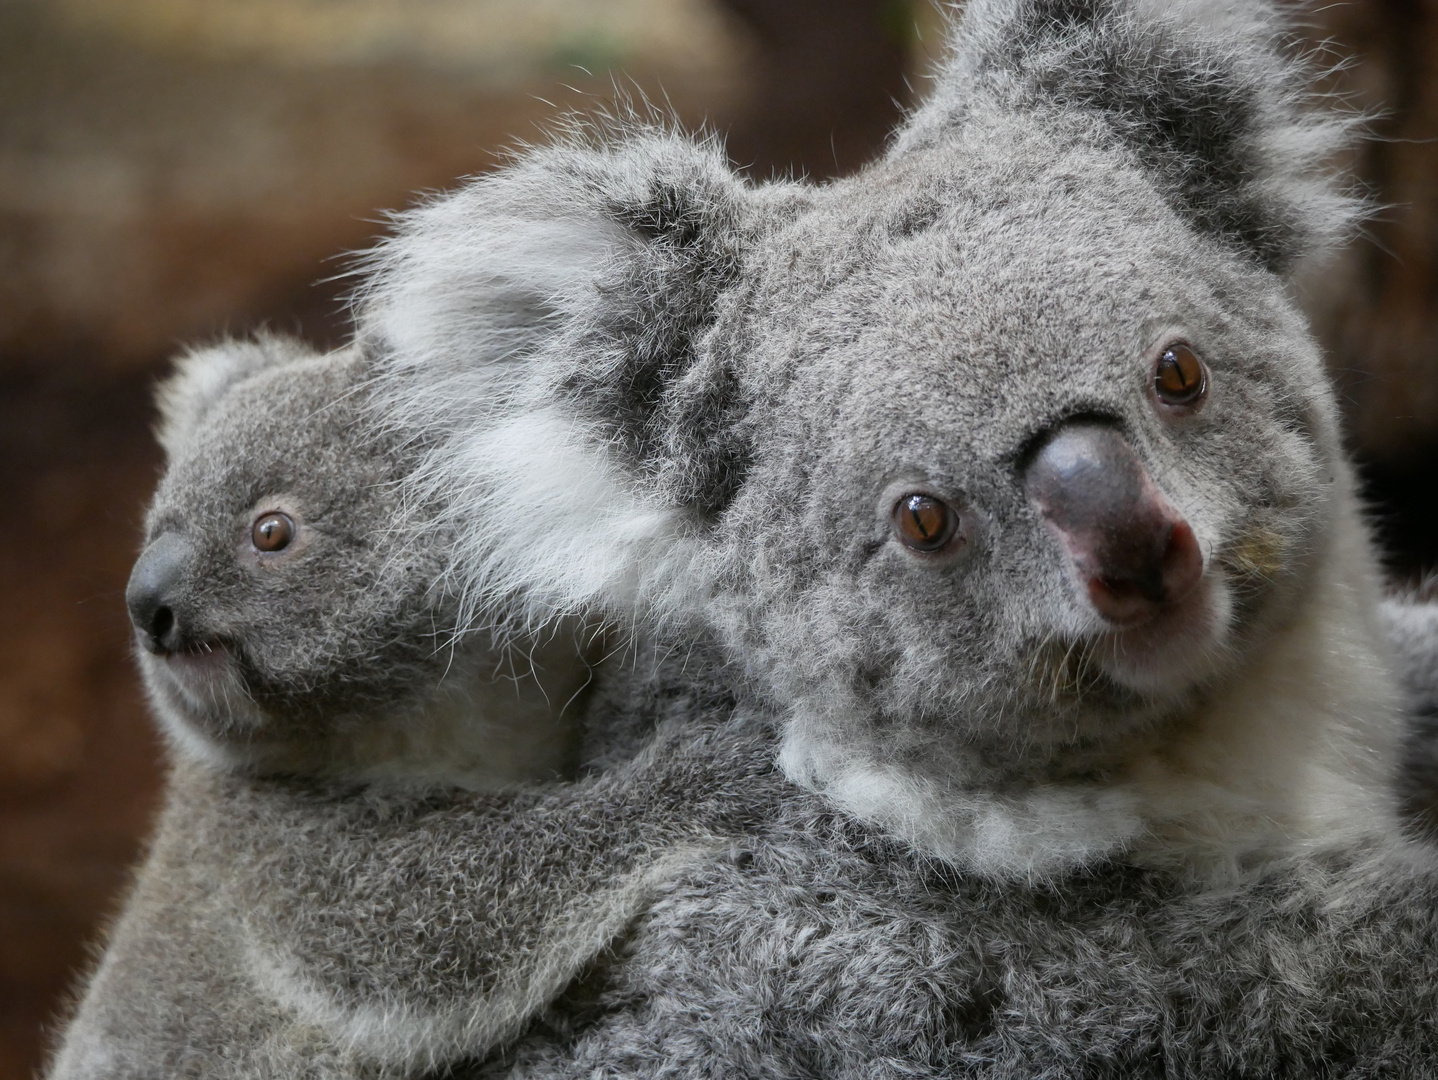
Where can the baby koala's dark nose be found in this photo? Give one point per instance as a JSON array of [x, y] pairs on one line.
[[1133, 552], [153, 593]]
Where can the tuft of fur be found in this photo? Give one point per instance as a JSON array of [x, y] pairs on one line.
[[543, 325], [1211, 96]]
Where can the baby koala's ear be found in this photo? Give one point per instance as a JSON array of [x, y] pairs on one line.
[[203, 376], [1208, 95], [541, 331]]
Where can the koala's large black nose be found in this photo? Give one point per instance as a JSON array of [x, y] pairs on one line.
[[153, 593], [1133, 552]]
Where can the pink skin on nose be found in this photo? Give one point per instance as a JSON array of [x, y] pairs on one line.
[[1134, 554]]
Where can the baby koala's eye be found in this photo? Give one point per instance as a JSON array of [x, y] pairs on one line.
[[272, 532], [1180, 377], [924, 523]]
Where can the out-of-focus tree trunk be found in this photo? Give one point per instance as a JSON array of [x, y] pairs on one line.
[[1376, 309], [827, 83]]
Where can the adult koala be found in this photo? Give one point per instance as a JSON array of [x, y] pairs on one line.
[[1007, 469], [1004, 481]]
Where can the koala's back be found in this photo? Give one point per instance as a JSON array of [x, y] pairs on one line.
[[826, 951]]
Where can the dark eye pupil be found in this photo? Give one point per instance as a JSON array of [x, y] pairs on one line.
[[1179, 377], [272, 532], [923, 522], [927, 518]]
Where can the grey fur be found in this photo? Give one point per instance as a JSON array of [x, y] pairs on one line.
[[835, 954], [335, 654], [1019, 842], [282, 928], [1412, 623]]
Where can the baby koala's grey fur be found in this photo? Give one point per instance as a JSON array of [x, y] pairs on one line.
[[260, 897], [331, 656], [327, 659], [1015, 839], [1413, 627]]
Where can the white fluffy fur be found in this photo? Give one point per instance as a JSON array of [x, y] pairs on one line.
[[470, 303]]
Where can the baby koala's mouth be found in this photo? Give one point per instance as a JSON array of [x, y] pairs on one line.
[[196, 653], [195, 663]]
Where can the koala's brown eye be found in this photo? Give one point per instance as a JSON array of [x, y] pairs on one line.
[[924, 523], [272, 532], [1180, 377]]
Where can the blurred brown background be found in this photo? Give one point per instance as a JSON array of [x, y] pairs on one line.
[[174, 169]]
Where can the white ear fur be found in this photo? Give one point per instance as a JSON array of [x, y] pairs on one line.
[[470, 313], [203, 376]]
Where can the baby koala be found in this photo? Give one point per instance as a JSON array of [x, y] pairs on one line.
[[291, 625], [286, 602]]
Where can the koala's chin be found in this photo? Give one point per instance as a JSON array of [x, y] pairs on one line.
[[1178, 647], [204, 706], [465, 726]]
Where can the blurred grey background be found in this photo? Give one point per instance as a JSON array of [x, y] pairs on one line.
[[171, 170]]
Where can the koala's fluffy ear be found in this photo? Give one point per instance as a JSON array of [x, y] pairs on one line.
[[202, 377], [1206, 93], [541, 329]]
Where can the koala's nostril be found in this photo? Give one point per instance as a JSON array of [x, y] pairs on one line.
[[1132, 550], [162, 625], [153, 590], [1125, 598]]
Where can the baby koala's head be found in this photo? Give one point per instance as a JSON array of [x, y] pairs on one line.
[[287, 616]]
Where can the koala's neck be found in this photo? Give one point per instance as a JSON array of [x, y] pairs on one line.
[[476, 732], [1294, 754]]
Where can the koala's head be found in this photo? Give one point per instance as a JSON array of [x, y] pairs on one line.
[[982, 462], [279, 595]]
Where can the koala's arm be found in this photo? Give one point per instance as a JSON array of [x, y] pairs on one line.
[[421, 931], [171, 996]]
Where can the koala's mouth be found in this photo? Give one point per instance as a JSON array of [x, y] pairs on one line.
[[196, 665], [1175, 647], [196, 650]]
